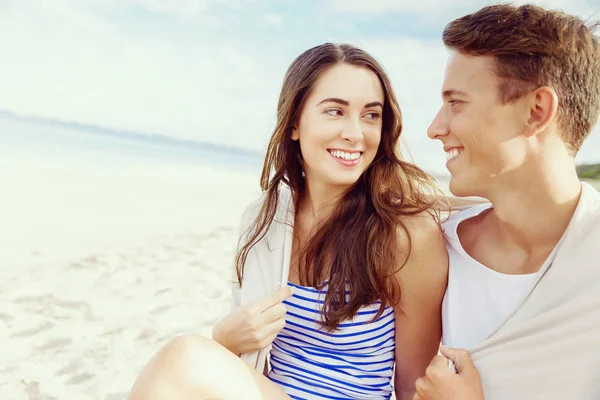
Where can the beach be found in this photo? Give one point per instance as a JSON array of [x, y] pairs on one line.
[[102, 266], [112, 245], [105, 259]]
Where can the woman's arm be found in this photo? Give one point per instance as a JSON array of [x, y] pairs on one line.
[[423, 281], [251, 327]]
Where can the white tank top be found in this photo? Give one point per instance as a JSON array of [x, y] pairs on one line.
[[478, 299]]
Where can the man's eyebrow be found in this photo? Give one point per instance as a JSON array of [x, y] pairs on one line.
[[453, 92], [335, 100]]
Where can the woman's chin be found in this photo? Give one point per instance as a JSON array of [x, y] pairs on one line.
[[343, 182]]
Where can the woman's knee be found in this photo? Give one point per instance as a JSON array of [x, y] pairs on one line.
[[189, 357], [182, 366]]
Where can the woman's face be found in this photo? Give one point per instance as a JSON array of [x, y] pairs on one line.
[[340, 126]]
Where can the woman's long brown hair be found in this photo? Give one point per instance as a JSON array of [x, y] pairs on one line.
[[357, 244]]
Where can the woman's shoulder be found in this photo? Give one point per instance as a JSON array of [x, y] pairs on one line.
[[421, 245], [422, 228], [253, 209]]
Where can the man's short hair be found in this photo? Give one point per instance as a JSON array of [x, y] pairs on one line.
[[534, 47]]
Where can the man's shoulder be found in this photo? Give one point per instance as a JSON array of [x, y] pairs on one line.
[[465, 213]]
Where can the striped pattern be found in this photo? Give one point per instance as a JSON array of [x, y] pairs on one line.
[[354, 362]]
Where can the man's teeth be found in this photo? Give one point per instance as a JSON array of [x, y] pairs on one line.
[[450, 154], [344, 155]]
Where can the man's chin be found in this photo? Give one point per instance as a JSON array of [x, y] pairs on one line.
[[460, 188]]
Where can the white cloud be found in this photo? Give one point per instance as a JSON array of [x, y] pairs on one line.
[[186, 9], [385, 6], [182, 8], [78, 67], [452, 9], [68, 62], [274, 19], [582, 8]]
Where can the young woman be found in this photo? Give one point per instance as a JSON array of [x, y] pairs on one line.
[[341, 267]]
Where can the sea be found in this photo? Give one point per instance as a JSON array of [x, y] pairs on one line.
[[40, 140]]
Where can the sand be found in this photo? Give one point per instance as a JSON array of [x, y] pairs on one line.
[[102, 266]]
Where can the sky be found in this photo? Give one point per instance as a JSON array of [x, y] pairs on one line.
[[211, 70]]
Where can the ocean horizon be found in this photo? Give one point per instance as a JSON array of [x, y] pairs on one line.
[[45, 140]]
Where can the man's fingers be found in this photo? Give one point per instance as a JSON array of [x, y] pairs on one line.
[[439, 362], [422, 387], [461, 359], [270, 300], [437, 369], [417, 396]]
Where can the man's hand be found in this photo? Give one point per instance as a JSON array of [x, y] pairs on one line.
[[441, 383]]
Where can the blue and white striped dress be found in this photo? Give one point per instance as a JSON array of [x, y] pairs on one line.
[[354, 362]]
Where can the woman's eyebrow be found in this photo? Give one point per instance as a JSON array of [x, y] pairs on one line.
[[335, 100], [347, 103], [374, 104]]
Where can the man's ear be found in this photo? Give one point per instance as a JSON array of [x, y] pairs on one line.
[[543, 107]]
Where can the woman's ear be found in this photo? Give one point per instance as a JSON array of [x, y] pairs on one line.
[[295, 135]]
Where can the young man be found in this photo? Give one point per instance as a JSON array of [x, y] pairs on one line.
[[521, 94]]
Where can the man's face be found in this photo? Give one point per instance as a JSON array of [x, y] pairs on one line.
[[483, 138]]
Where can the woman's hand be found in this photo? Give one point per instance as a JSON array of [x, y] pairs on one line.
[[254, 326]]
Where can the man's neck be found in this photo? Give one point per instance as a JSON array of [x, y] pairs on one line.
[[533, 212]]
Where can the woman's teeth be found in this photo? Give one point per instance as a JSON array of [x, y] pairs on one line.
[[345, 155]]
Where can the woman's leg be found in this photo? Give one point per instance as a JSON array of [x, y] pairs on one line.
[[196, 368]]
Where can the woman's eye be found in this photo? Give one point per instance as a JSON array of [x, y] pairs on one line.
[[373, 115], [334, 112]]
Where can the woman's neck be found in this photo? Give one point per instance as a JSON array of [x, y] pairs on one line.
[[316, 203]]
